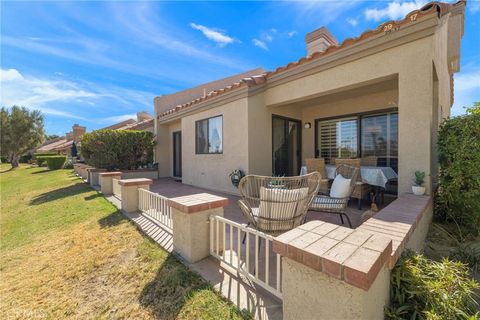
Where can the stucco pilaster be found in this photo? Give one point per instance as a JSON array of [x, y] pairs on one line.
[[415, 101]]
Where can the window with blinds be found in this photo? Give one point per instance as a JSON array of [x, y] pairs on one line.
[[360, 136], [338, 138]]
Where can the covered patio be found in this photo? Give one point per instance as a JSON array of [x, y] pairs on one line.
[[171, 188]]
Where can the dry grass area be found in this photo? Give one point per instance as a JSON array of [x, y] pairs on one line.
[[95, 265]]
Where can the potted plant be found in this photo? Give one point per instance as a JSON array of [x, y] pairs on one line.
[[417, 187]]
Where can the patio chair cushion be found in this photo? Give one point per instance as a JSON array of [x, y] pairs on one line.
[[325, 203], [278, 207], [340, 187]]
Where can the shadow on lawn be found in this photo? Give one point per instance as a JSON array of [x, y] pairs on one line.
[[60, 193], [175, 285], [171, 289], [113, 219], [8, 170]]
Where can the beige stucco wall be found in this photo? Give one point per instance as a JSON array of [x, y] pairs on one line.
[[212, 171], [148, 174], [417, 239], [414, 58], [309, 294], [412, 64]]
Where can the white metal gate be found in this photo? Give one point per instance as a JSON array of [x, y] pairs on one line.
[[252, 258], [156, 207]]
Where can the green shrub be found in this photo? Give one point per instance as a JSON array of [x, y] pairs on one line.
[[458, 197], [118, 149], [55, 162], [25, 158], [41, 160], [3, 159], [424, 289]]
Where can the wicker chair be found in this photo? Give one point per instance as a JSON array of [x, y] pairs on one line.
[[318, 164], [274, 205], [324, 203], [361, 189]]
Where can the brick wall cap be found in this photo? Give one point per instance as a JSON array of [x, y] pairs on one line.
[[333, 252], [111, 173], [197, 202], [135, 182]]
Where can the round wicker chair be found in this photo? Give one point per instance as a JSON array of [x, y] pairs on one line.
[[274, 205]]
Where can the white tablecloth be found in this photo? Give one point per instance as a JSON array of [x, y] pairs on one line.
[[375, 176]]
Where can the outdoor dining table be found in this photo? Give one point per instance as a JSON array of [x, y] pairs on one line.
[[374, 176]]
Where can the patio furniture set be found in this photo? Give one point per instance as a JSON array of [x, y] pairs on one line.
[[275, 205]]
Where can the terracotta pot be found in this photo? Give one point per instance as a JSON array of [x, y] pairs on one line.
[[418, 190]]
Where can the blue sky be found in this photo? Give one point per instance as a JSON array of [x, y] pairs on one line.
[[97, 63]]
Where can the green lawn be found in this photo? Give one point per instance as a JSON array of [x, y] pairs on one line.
[[66, 252]]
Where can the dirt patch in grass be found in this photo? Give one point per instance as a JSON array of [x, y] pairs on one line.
[[99, 266]]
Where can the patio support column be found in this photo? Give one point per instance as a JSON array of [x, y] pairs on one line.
[[333, 272], [191, 228], [105, 179], [415, 104], [130, 192], [94, 176]]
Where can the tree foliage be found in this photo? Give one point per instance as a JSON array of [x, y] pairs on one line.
[[21, 131], [117, 149], [458, 197]]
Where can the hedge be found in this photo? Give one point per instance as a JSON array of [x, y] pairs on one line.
[[55, 162], [425, 289], [118, 149], [457, 199]]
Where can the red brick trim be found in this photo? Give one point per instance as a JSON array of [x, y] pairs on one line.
[[354, 256], [197, 202], [135, 182]]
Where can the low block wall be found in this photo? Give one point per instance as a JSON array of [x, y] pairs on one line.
[[330, 271], [141, 173], [405, 221]]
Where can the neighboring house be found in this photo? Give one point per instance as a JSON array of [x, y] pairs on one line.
[[382, 94], [143, 122], [63, 145]]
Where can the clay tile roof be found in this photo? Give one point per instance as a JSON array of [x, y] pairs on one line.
[[433, 7], [139, 125], [59, 145]]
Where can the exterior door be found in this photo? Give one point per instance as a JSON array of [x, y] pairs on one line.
[[177, 154], [286, 142]]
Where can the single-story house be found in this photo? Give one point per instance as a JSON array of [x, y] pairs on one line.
[[63, 145], [143, 122], [382, 94]]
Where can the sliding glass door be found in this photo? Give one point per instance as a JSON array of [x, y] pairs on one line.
[[380, 139], [286, 141]]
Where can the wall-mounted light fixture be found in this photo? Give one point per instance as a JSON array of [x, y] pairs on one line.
[[307, 125]]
